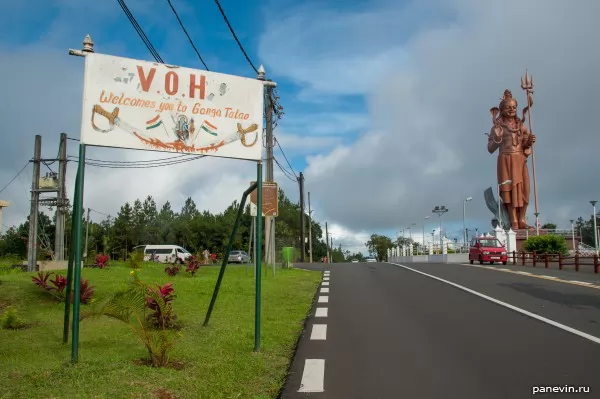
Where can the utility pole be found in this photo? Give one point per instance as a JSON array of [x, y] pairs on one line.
[[61, 197], [87, 234], [269, 226], [332, 249], [302, 230], [310, 253], [33, 214], [327, 243]]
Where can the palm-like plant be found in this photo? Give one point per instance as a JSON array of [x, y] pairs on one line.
[[131, 307]]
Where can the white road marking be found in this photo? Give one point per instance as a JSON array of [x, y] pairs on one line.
[[313, 376], [325, 290], [557, 279], [325, 278], [509, 306], [327, 271], [321, 312], [325, 283], [319, 332], [323, 299]]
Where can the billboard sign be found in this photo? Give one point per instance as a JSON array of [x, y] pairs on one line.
[[151, 106], [270, 199]]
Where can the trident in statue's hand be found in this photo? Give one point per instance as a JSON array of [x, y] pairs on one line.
[[527, 85]]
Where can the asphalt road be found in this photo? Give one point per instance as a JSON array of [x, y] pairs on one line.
[[394, 333]]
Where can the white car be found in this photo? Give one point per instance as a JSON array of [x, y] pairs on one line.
[[354, 260], [371, 260]]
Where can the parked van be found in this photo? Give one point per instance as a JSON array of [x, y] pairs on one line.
[[487, 249], [166, 253]]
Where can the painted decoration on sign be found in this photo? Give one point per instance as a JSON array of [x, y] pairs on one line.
[[150, 106]]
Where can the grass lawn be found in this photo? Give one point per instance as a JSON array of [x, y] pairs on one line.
[[218, 360]]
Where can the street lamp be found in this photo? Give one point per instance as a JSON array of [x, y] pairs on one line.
[[424, 219], [440, 210], [409, 230], [500, 201], [573, 234], [464, 217], [595, 231]]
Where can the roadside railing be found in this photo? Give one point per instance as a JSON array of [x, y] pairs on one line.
[[547, 260]]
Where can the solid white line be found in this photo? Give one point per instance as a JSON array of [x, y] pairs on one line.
[[319, 332], [323, 299], [325, 283], [541, 275], [580, 282], [313, 376], [509, 306], [321, 312], [325, 290]]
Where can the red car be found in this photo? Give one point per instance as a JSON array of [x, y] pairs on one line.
[[487, 249]]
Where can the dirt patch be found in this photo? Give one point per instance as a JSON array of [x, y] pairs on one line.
[[162, 393], [173, 364]]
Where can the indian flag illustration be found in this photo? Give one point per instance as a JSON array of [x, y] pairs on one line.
[[153, 123], [209, 128]]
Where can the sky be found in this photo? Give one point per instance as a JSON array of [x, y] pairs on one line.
[[386, 103]]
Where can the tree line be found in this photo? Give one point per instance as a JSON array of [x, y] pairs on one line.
[[144, 223]]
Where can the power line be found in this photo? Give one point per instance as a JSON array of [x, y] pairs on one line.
[[286, 159], [14, 178], [186, 33], [235, 36], [140, 32], [285, 172], [143, 166], [135, 162]]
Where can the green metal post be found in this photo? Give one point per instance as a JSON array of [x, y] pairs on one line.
[[69, 286], [258, 240], [227, 251], [78, 215]]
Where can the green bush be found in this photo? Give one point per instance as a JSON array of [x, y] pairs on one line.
[[10, 320], [551, 244]]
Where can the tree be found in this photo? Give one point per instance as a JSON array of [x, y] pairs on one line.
[[378, 246], [549, 226]]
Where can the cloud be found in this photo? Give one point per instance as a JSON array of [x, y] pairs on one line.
[[429, 99]]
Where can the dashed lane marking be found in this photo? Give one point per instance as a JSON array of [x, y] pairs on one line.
[[319, 332], [313, 376], [323, 299], [321, 312]]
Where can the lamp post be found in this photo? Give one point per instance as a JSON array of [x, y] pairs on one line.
[[410, 231], [595, 230], [464, 217], [433, 239], [424, 219], [573, 234], [440, 210], [500, 202]]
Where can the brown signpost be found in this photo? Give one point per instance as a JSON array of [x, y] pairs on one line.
[[270, 198]]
